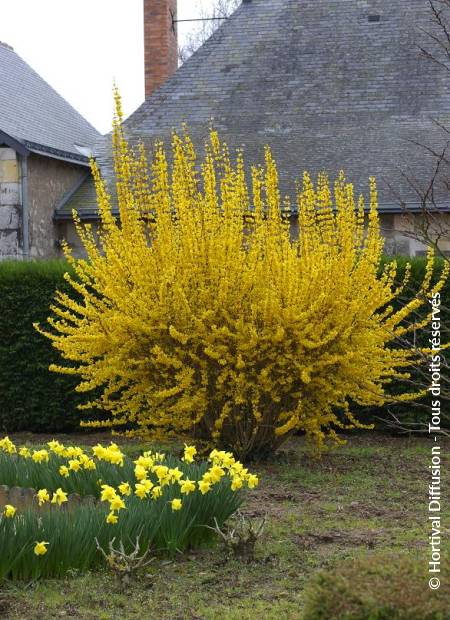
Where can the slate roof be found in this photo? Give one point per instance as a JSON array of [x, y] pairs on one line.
[[323, 82], [33, 113]]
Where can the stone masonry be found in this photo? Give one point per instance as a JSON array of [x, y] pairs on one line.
[[9, 204]]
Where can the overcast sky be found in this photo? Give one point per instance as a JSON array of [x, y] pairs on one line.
[[81, 46]]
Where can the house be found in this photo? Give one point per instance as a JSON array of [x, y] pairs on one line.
[[328, 84], [43, 156]]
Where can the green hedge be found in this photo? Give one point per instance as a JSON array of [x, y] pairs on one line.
[[415, 413], [32, 398]]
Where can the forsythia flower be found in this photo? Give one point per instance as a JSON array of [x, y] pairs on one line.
[[176, 504], [59, 496], [41, 548], [245, 331], [9, 511], [43, 496], [189, 453]]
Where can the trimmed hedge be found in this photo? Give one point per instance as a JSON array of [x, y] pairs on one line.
[[379, 587], [417, 413], [32, 398]]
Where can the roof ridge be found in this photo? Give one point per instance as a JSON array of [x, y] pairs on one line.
[[6, 46]]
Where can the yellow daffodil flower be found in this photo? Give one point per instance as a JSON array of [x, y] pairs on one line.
[[43, 496], [64, 471], [189, 453], [176, 504], [112, 518], [252, 481], [59, 497], [156, 492], [204, 486], [108, 493], [74, 465], [187, 486], [9, 511], [40, 548], [125, 488], [117, 503]]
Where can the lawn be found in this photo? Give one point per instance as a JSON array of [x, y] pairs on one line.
[[368, 497]]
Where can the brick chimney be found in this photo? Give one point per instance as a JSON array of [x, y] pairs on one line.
[[160, 42]]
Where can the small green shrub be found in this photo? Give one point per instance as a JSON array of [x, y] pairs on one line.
[[32, 399], [383, 587]]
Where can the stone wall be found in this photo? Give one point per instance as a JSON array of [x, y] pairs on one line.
[[10, 199], [24, 498], [48, 181]]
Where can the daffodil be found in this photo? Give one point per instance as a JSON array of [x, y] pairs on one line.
[[252, 481], [187, 486], [74, 465], [108, 493], [140, 472], [112, 518], [143, 488], [7, 445], [176, 504], [125, 488], [25, 452], [156, 492], [236, 483], [59, 497], [89, 464], [189, 453], [64, 471], [39, 456], [175, 474], [216, 473], [40, 548], [117, 503], [204, 486], [43, 496], [9, 511]]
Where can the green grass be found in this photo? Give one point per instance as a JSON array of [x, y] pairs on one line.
[[361, 500]]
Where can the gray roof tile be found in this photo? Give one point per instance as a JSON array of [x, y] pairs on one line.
[[326, 88], [32, 112]]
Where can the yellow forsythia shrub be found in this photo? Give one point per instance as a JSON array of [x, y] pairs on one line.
[[201, 316]]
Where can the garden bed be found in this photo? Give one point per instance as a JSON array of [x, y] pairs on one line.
[[360, 501]]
